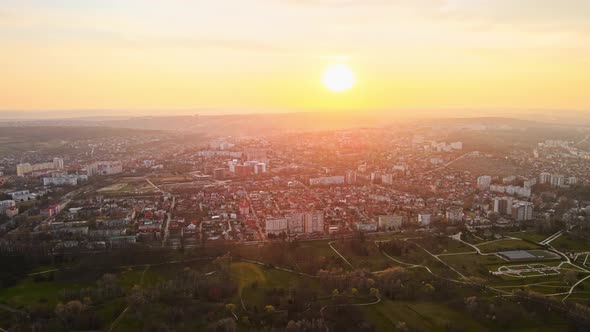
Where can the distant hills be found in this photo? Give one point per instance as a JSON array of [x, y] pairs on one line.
[[272, 123]]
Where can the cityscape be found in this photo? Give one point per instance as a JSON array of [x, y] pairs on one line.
[[280, 165]]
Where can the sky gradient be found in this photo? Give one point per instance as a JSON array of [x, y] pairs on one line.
[[236, 55]]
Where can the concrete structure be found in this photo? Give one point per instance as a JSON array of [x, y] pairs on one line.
[[104, 168], [522, 211], [350, 177], [6, 204], [390, 222], [326, 180], [544, 178], [483, 182], [454, 215], [502, 205], [424, 219], [26, 168], [62, 180]]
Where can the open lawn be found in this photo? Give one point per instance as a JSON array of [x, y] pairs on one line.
[[422, 316], [530, 236], [566, 243], [506, 245], [255, 281], [28, 292], [366, 256], [473, 265]]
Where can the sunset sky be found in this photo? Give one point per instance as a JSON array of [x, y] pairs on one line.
[[236, 55]]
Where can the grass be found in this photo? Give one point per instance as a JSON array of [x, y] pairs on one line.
[[28, 292], [373, 261], [530, 236], [265, 279], [473, 265], [566, 243], [507, 245], [423, 316]]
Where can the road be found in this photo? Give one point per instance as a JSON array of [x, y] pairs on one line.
[[258, 225], [552, 237], [339, 254], [168, 215]]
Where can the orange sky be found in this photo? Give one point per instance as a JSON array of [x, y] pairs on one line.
[[270, 54]]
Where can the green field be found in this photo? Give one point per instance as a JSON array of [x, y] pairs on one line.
[[507, 245], [423, 316], [566, 243], [373, 261], [530, 236]]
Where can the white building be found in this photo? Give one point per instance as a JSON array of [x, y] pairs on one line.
[[544, 178], [390, 222], [502, 205], [62, 180], [387, 178], [276, 225], [483, 182], [424, 219], [327, 180], [26, 168], [522, 211], [5, 205], [454, 215], [557, 180], [104, 168]]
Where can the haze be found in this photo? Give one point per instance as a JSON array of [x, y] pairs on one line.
[[269, 55]]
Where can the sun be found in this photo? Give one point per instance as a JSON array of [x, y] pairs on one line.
[[338, 78]]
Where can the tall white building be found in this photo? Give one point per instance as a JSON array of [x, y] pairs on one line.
[[104, 168], [424, 219], [502, 205], [390, 222], [544, 178], [557, 180], [484, 181], [58, 163], [522, 211], [327, 180]]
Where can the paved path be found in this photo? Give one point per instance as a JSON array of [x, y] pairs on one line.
[[339, 254]]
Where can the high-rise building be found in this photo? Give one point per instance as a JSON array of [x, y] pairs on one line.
[[390, 222], [387, 179], [544, 178], [454, 215], [350, 177], [503, 205], [557, 180], [104, 168], [58, 163], [24, 169], [327, 180], [522, 211], [484, 181], [424, 219]]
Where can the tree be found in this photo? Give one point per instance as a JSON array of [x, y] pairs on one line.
[[354, 291], [374, 292], [571, 277], [230, 307]]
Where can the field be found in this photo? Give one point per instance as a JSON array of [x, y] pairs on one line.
[[506, 245], [423, 316], [566, 243], [367, 257], [529, 236]]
